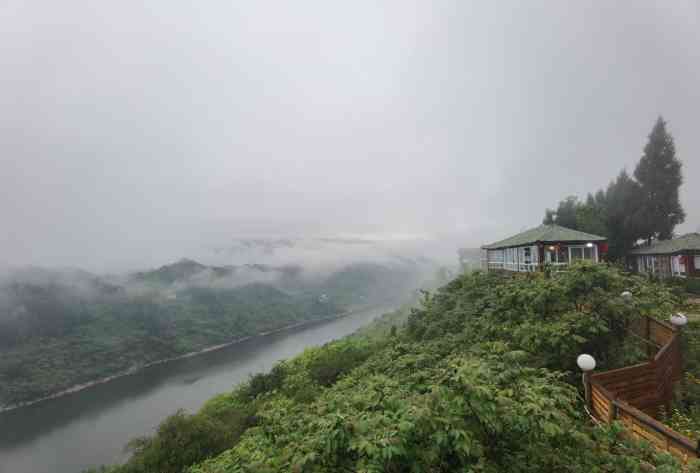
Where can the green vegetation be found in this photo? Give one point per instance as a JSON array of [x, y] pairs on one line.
[[112, 337], [63, 332], [692, 285], [482, 377], [685, 412], [645, 207]]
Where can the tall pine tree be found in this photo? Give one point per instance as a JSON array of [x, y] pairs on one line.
[[659, 175], [622, 214], [565, 215]]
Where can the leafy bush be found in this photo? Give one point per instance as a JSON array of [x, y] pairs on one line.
[[692, 285], [181, 440], [339, 358], [476, 381], [262, 383], [553, 319]]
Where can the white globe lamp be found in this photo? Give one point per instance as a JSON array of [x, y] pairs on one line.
[[586, 362], [678, 320]]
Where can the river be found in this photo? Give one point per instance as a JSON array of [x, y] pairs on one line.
[[91, 427]]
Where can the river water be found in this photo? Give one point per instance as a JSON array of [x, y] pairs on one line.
[[91, 427]]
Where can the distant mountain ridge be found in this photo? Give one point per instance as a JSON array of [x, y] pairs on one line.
[[189, 272], [64, 327]]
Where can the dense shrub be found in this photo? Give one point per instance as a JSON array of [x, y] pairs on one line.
[[339, 358], [181, 440], [692, 285], [262, 383], [476, 381], [552, 318]]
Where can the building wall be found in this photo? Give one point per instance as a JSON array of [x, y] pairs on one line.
[[693, 265], [665, 266], [655, 265], [523, 258], [530, 257]]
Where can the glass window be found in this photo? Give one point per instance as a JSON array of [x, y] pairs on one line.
[[588, 253], [549, 256], [677, 266], [563, 254], [576, 253]]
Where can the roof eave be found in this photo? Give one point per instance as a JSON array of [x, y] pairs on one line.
[[664, 253], [543, 242]]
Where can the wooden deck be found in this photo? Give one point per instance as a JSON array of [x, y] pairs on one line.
[[634, 394]]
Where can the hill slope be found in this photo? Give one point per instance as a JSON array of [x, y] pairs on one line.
[[58, 330], [480, 379]]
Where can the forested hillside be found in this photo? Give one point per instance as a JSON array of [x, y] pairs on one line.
[[481, 377], [59, 329]]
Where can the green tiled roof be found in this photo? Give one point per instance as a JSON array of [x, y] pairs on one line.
[[544, 234], [689, 242]]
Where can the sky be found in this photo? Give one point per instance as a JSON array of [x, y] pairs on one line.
[[132, 132]]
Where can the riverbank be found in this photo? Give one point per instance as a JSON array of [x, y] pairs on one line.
[[208, 349], [90, 428]]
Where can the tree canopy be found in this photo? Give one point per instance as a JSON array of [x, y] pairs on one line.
[[659, 175], [643, 207]]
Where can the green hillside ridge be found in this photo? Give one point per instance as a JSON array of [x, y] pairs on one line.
[[58, 332], [170, 273], [480, 378]]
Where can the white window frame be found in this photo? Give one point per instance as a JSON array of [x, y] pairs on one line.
[[678, 268], [594, 252]]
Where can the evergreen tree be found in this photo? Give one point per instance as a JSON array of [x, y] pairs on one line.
[[622, 213], [565, 214], [586, 217], [549, 216], [590, 216], [659, 175]]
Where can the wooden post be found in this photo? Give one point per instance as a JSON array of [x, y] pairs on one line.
[[613, 411], [587, 390], [680, 358]]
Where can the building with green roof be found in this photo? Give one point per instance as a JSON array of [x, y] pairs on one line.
[[544, 245], [676, 257]]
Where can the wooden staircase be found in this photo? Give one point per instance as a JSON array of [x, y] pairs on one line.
[[635, 394]]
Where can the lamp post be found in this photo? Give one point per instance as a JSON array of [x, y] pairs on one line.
[[679, 320], [587, 364]]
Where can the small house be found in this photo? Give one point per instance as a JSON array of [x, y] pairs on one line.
[[552, 245], [678, 257]]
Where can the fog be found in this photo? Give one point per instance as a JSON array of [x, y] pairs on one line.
[[136, 133]]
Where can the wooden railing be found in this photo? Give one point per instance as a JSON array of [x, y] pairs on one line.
[[634, 394], [522, 267]]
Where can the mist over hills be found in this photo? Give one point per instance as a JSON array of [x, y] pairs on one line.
[[63, 327], [324, 253]]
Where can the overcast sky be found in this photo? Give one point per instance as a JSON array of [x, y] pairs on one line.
[[131, 131]]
